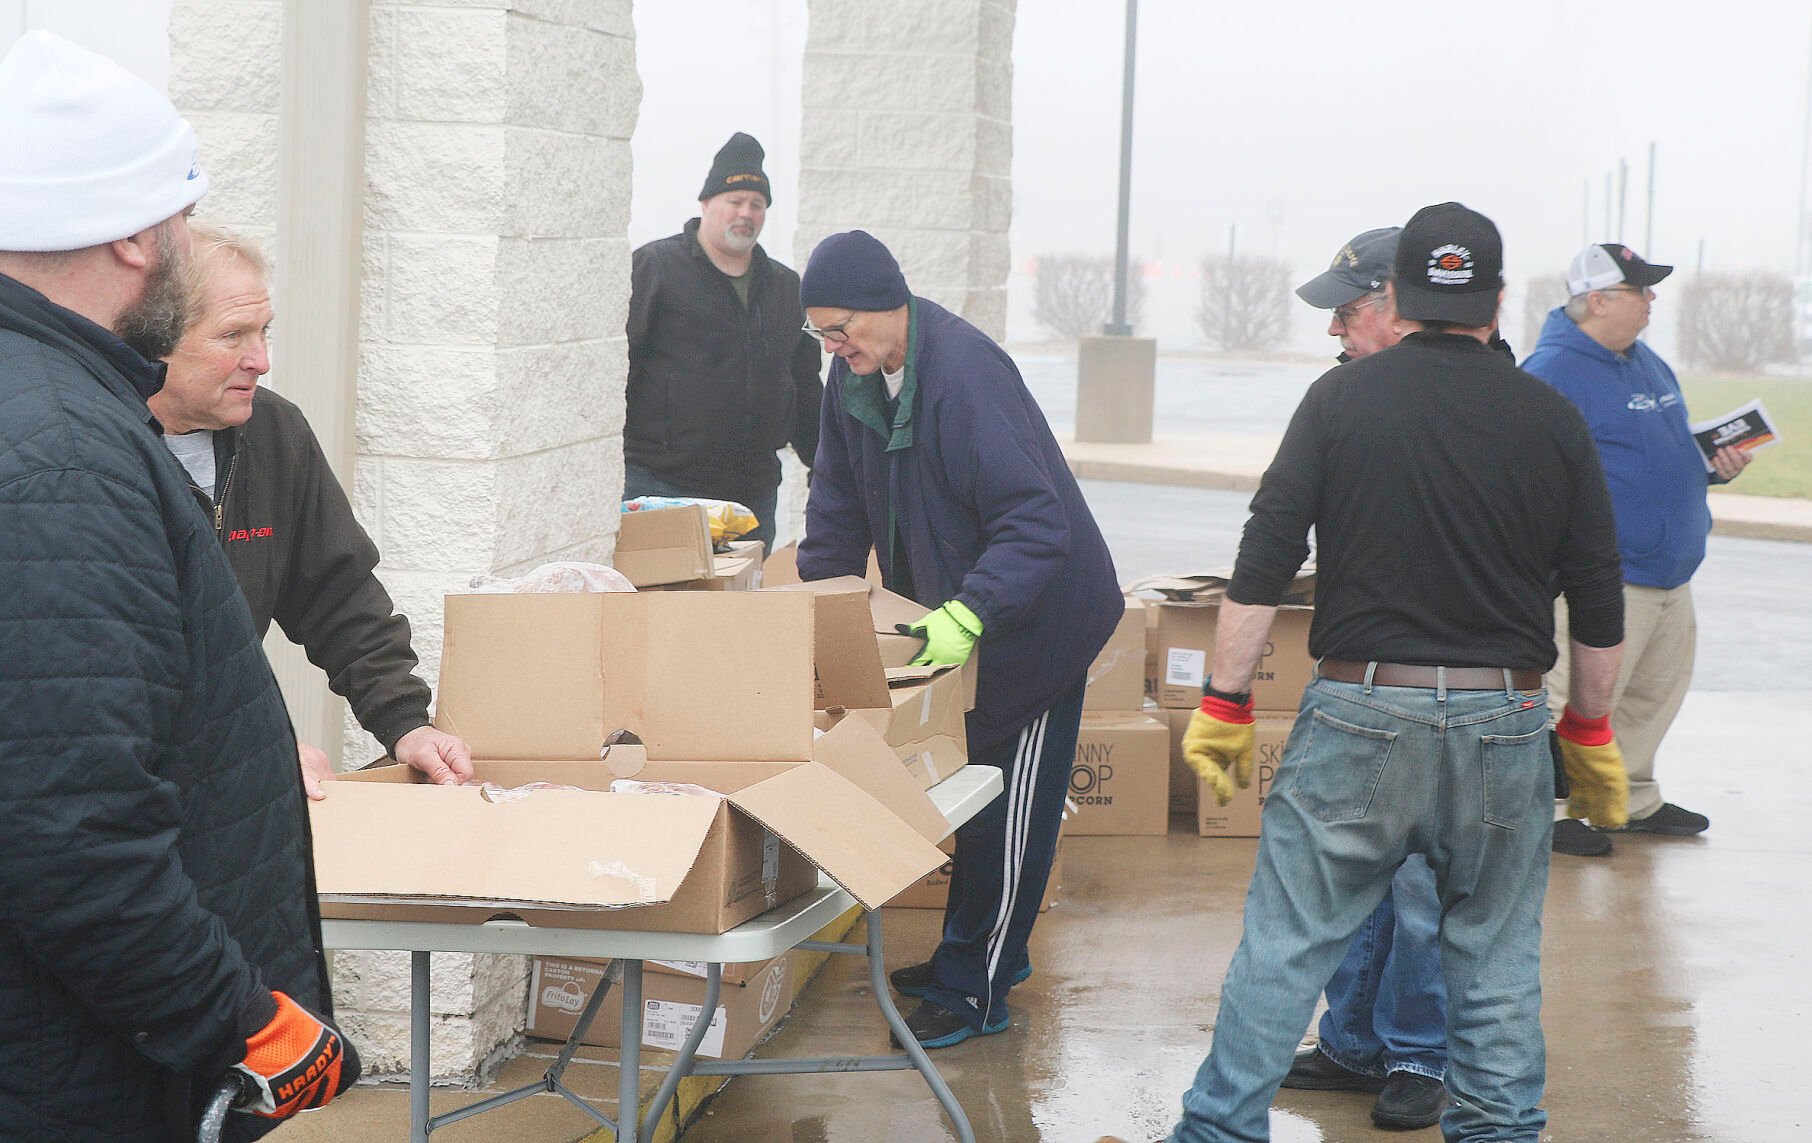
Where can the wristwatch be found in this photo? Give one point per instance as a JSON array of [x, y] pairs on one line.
[[1240, 698]]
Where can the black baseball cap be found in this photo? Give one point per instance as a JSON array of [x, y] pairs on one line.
[[1361, 267], [1449, 267]]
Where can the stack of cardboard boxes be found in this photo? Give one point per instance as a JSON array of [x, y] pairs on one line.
[[1180, 649], [669, 549], [1119, 784]]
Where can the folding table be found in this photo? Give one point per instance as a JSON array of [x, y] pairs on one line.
[[960, 797]]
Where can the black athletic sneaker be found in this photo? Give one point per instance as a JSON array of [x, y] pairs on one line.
[[935, 1026], [915, 979], [1574, 837], [1670, 820], [1315, 1070]]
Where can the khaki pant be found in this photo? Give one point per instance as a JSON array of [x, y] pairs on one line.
[[1660, 638]]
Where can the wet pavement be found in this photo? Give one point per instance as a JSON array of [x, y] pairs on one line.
[[1673, 971]]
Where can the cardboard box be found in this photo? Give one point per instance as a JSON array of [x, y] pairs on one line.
[[1120, 782], [1185, 651], [535, 683], [1183, 781], [782, 567], [664, 545], [561, 988], [861, 668], [1116, 679], [933, 890], [1240, 817], [735, 973]]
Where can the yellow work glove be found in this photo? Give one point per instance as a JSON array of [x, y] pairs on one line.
[[1219, 739], [949, 633], [1594, 765]]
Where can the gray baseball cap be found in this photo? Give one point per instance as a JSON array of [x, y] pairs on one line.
[[1362, 266]]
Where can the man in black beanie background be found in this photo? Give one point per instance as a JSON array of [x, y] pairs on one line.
[[720, 375]]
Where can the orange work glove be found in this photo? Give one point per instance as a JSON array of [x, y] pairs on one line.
[[294, 1063]]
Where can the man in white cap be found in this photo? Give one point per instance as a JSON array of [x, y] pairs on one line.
[[1589, 350], [161, 934]]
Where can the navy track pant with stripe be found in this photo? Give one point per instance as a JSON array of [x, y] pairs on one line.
[[1003, 859]]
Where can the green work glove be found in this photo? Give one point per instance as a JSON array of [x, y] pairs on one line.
[[1594, 765], [949, 632], [1219, 739]]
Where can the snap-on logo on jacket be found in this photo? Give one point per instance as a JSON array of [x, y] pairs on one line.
[[249, 534]]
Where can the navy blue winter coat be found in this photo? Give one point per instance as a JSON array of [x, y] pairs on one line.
[[154, 849], [986, 511]]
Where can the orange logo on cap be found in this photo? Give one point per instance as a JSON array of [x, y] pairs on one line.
[[1452, 261]]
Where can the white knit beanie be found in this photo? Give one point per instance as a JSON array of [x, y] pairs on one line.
[[89, 152]]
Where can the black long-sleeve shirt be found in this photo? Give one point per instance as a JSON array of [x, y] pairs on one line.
[[1451, 495]]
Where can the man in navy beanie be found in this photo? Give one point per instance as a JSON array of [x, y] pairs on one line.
[[932, 453]]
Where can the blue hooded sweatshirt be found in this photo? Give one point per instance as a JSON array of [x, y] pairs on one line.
[[964, 494], [1653, 467]]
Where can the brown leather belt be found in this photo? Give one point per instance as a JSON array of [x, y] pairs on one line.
[[1406, 675]]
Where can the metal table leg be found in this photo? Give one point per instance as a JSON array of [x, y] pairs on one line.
[[877, 980], [629, 1057], [418, 1047], [687, 1059]]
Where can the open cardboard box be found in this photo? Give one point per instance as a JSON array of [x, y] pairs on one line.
[[861, 668], [665, 546], [718, 689]]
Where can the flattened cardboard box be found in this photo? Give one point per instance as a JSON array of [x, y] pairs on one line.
[[664, 545], [555, 671], [560, 989], [1116, 679], [1185, 651], [933, 890], [1241, 816], [1120, 782]]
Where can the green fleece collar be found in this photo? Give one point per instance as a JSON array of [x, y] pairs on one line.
[[865, 394]]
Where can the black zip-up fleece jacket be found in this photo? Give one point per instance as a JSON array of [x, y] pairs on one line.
[[154, 848], [715, 390], [302, 559]]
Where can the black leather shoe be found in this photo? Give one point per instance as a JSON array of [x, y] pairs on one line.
[[1670, 820], [1574, 837], [1314, 1070], [1409, 1102]]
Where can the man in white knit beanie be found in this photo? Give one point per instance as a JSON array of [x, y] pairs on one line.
[[161, 936]]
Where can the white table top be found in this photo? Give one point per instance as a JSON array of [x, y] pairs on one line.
[[960, 796]]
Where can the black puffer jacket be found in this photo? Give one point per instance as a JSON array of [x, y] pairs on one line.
[[716, 388], [154, 851]]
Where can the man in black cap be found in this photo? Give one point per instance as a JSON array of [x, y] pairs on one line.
[[1589, 350], [1449, 493], [1385, 1029], [720, 376]]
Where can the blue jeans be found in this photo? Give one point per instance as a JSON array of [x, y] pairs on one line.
[[1387, 1003], [1370, 776], [638, 481]]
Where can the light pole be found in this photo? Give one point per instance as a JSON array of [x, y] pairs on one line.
[[1119, 326]]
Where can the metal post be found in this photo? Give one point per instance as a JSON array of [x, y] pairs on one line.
[[629, 1055], [1585, 212], [1118, 327], [419, 1036], [1623, 193], [1607, 206], [1232, 240], [1648, 229]]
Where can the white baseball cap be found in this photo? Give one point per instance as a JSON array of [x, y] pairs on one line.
[[89, 152], [1603, 265]]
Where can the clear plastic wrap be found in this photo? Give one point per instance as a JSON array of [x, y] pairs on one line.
[[729, 520], [556, 577]]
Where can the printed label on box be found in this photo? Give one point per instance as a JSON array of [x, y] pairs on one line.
[[666, 1024], [1185, 667], [696, 968]]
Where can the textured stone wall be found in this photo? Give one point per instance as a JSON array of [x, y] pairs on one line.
[[908, 134], [492, 358]]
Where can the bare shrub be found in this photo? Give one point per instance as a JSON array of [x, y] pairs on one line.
[[1540, 294], [1245, 301], [1074, 293], [1736, 322]]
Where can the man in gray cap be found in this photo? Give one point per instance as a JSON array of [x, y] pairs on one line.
[[161, 931], [720, 376], [1385, 1029]]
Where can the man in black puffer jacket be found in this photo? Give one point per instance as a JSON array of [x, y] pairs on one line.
[[160, 931]]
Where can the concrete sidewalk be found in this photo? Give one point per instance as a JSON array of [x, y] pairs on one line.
[[1237, 460]]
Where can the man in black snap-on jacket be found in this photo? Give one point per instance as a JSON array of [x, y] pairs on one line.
[[298, 552], [160, 931], [721, 376]]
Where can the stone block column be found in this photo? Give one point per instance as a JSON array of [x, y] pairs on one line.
[[908, 134], [492, 358]]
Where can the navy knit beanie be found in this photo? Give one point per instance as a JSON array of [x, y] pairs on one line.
[[853, 271]]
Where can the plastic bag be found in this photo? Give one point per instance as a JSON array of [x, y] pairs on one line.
[[492, 792], [729, 520], [557, 577], [631, 786]]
